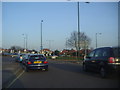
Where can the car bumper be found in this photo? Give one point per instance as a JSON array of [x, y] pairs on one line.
[[37, 66], [114, 67]]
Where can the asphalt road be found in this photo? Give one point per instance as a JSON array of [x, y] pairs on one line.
[[10, 70], [62, 75]]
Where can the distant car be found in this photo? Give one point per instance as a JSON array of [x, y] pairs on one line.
[[20, 57], [103, 60], [35, 61], [6, 54], [14, 54], [54, 57]]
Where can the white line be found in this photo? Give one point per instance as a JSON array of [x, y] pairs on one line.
[[15, 79], [17, 71]]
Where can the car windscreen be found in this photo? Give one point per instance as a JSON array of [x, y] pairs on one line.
[[37, 57], [116, 52]]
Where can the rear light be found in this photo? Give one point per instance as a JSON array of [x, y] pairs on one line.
[[45, 62], [111, 60], [29, 62]]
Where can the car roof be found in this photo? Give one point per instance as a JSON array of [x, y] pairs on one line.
[[107, 47], [35, 54]]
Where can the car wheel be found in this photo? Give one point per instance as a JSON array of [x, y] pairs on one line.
[[84, 67], [102, 72]]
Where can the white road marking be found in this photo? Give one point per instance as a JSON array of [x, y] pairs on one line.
[[15, 79], [17, 71]]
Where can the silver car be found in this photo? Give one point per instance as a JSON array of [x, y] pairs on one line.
[[35, 61]]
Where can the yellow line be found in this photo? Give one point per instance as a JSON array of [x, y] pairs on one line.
[[15, 79]]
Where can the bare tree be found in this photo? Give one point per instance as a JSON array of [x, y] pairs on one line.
[[16, 48], [73, 40]]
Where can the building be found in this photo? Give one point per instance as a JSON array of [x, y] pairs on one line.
[[46, 52]]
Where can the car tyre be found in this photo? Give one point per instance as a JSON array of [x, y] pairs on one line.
[[102, 72]]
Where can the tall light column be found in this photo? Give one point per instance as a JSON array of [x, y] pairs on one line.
[[25, 41], [78, 29], [41, 36], [96, 38]]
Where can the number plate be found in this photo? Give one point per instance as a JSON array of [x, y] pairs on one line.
[[37, 62]]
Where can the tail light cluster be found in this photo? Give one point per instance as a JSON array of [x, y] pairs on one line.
[[45, 62], [111, 60], [29, 62]]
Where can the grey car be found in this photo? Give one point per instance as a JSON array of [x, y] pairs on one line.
[[35, 61]]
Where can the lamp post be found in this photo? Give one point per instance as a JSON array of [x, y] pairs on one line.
[[49, 43], [25, 41], [41, 36], [79, 27], [78, 49], [96, 38]]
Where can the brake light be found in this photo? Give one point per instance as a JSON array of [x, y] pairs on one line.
[[29, 62], [45, 62], [111, 60]]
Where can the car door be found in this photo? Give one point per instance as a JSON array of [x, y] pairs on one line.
[[89, 59], [98, 58]]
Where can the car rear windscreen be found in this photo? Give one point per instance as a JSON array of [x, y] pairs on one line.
[[37, 57]]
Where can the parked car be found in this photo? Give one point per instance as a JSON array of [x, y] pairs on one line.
[[20, 57], [6, 54], [14, 54], [54, 57], [104, 60], [35, 61]]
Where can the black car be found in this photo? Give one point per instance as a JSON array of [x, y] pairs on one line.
[[103, 60], [35, 61]]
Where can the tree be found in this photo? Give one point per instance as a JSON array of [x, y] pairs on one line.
[[56, 52], [73, 40], [16, 48]]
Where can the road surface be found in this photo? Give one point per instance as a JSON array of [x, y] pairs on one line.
[[62, 75]]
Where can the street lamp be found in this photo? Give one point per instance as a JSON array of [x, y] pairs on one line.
[[41, 36], [24, 41], [79, 27], [96, 37], [49, 41], [78, 49], [25, 38]]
